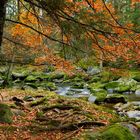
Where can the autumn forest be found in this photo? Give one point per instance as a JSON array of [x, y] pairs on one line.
[[70, 69]]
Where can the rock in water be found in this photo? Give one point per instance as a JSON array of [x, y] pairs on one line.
[[115, 98], [110, 90], [5, 113], [92, 99], [137, 92], [134, 114]]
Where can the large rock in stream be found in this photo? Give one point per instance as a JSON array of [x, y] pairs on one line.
[[130, 109], [115, 98], [121, 85], [100, 95]]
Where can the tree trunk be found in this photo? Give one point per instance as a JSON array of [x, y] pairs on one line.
[[2, 18]]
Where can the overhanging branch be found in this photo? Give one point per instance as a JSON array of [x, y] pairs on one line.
[[30, 27]]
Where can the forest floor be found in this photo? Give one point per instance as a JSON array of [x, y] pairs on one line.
[[51, 117]]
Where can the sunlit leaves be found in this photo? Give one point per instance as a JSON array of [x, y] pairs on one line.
[[98, 26]]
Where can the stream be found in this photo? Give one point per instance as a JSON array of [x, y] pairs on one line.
[[121, 95], [67, 90], [133, 100]]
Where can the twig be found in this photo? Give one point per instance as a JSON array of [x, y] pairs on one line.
[[70, 135]]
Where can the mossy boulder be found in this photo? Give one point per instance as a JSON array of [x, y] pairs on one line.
[[56, 75], [123, 88], [126, 84], [5, 113], [100, 94], [95, 79], [32, 78], [44, 76], [78, 85], [127, 81], [77, 79], [20, 75], [111, 85], [32, 85], [121, 85], [136, 87], [137, 78], [97, 90], [97, 85], [48, 85], [115, 98], [114, 132], [36, 76]]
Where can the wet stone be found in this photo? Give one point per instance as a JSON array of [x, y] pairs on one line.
[[133, 114]]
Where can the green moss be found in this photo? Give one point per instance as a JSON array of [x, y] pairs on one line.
[[123, 88], [20, 73], [47, 85], [31, 78], [40, 114], [44, 100], [37, 75], [51, 86], [78, 85], [56, 75], [95, 79], [105, 76], [5, 114], [112, 85], [33, 85], [97, 90], [137, 77], [117, 132], [38, 102], [97, 85], [114, 132], [77, 79], [101, 95], [122, 85], [44, 76]]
